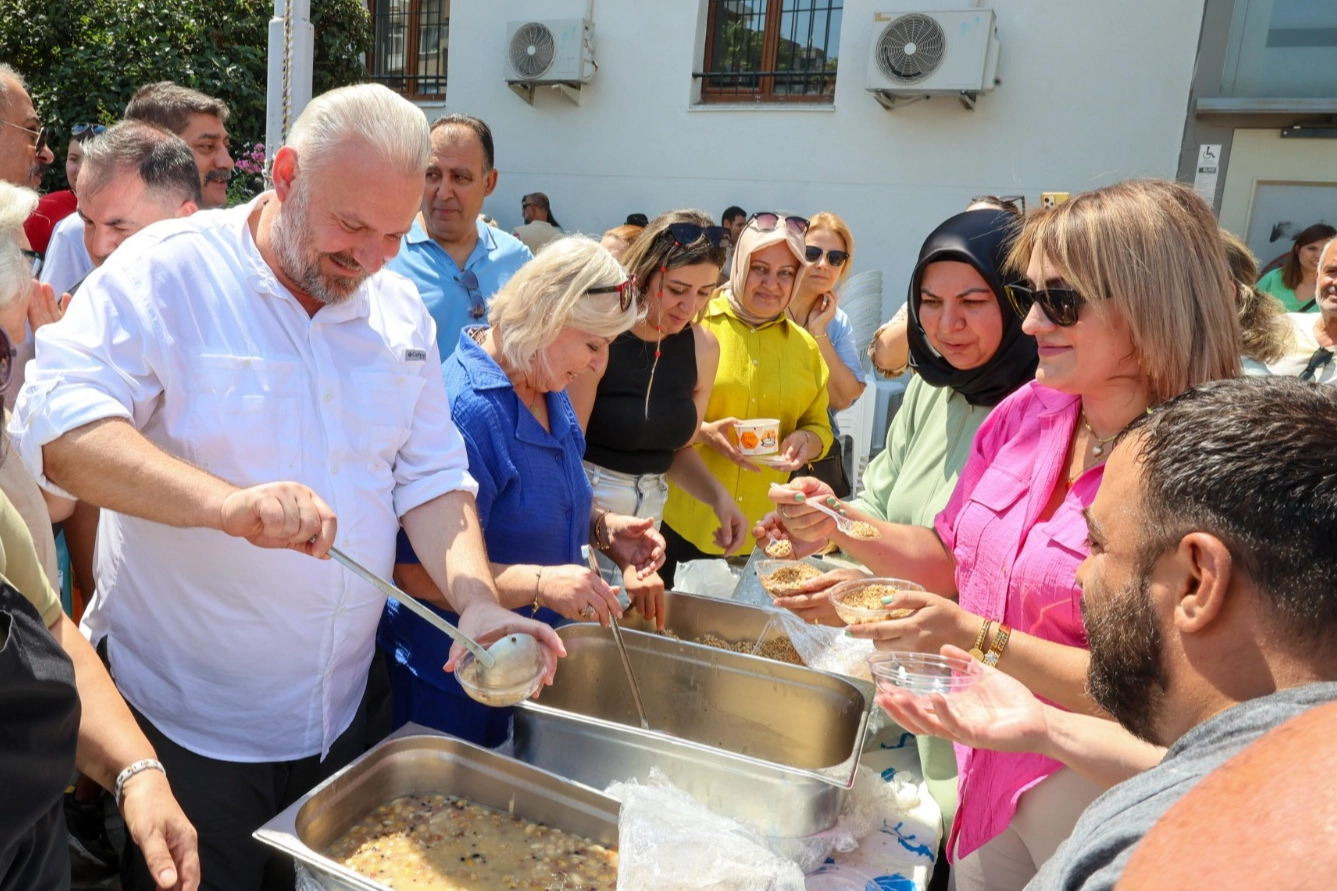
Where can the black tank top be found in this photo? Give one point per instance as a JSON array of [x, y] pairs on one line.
[[620, 437]]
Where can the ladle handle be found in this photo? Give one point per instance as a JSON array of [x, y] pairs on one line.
[[483, 656]]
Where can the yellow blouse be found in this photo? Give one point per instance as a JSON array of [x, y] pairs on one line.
[[774, 371]]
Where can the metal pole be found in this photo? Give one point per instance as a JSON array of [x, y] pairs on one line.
[[291, 54]]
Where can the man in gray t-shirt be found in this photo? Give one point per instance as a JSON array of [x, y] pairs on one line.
[[1094, 856], [1210, 604]]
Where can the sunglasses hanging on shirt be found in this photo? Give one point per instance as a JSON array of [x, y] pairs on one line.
[[477, 308], [1317, 362]]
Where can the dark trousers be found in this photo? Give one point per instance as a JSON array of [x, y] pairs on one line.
[[678, 550], [228, 800]]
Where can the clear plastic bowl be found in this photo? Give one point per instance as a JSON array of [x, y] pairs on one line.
[[497, 688], [922, 673], [845, 598], [766, 570]]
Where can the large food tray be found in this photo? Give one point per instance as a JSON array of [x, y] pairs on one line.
[[419, 760], [773, 743]]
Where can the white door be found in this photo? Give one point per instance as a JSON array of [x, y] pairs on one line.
[[1276, 187]]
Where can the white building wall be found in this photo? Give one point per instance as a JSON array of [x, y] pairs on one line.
[[1091, 93]]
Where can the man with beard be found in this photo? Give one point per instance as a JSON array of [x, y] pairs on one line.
[[1210, 602], [206, 358], [456, 259], [24, 153]]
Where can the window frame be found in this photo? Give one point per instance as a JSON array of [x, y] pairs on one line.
[[764, 93], [410, 81]]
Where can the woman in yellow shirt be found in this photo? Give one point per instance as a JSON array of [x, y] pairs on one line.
[[769, 367]]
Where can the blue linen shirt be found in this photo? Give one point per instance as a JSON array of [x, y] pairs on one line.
[[841, 331], [533, 497], [495, 258]]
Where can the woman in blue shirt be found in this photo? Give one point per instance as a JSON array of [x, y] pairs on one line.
[[551, 323]]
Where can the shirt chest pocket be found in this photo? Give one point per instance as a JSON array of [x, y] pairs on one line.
[[244, 417], [986, 536], [378, 414]]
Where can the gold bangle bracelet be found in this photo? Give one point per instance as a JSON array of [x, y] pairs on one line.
[[977, 648], [538, 580], [999, 644]]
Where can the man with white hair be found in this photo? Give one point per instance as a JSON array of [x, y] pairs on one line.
[[24, 153], [208, 357]]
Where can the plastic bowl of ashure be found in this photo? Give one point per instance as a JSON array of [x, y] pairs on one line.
[[922, 673], [860, 601], [785, 578], [516, 676]]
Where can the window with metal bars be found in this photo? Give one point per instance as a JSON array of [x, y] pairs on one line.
[[409, 47], [771, 50]]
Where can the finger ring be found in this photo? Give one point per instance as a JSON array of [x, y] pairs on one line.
[[781, 511], [588, 612]]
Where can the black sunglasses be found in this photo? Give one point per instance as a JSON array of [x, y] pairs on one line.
[[1059, 304], [82, 131], [1322, 356], [7, 356], [836, 258], [477, 309], [767, 220], [685, 234], [34, 260], [626, 292]]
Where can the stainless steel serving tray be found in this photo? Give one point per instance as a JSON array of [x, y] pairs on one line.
[[689, 616], [773, 743], [417, 759]]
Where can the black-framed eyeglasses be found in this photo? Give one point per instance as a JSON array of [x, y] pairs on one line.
[[767, 220], [41, 134], [685, 234], [1060, 305], [84, 131], [836, 258], [1322, 356], [34, 260], [1015, 204], [477, 308], [626, 292], [7, 355]]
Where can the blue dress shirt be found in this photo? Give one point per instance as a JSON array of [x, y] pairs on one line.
[[495, 258], [534, 506]]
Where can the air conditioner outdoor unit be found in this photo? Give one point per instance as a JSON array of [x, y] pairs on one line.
[[557, 53], [916, 55]]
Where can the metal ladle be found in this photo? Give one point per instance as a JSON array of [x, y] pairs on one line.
[[621, 647], [485, 659]]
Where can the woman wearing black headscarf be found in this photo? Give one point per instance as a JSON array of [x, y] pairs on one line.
[[969, 353]]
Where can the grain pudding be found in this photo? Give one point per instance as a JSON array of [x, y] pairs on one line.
[[444, 843]]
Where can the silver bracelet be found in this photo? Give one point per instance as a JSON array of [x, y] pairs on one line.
[[138, 767]]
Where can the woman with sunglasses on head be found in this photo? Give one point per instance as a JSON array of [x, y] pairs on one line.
[[829, 252], [642, 410], [769, 368], [550, 324], [1129, 299]]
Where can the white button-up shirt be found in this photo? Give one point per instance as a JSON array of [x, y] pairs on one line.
[[236, 652]]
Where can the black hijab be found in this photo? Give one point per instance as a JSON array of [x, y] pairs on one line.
[[980, 238]]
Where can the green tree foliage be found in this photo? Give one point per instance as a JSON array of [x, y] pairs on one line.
[[83, 59]]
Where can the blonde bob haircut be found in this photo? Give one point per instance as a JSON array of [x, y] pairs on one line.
[[551, 293], [829, 222], [1149, 252]]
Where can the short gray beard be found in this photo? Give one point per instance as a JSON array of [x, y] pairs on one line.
[[293, 252]]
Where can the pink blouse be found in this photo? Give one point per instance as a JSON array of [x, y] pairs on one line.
[[1013, 569]]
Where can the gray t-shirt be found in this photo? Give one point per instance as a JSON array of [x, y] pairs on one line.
[[1094, 856]]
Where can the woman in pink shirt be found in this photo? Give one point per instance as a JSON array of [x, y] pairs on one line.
[[1130, 302]]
